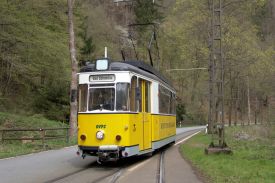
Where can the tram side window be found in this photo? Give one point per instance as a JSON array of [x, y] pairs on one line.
[[147, 97], [139, 100], [133, 99], [164, 100], [122, 96], [82, 97]]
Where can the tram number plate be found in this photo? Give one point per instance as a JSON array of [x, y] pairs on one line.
[[100, 126]]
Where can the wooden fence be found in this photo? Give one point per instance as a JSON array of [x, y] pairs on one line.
[[42, 131]]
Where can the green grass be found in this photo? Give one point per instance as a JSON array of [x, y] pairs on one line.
[[252, 161], [17, 147]]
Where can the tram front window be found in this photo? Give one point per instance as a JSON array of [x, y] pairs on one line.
[[101, 99]]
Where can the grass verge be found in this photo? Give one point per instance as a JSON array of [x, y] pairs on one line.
[[252, 161], [18, 147]]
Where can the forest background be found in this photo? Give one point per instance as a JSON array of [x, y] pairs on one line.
[[35, 63]]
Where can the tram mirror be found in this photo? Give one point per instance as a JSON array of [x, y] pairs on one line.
[[102, 64], [138, 97]]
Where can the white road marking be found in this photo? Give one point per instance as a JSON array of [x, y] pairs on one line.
[[186, 138]]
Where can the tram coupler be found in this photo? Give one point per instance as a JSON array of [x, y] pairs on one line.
[[108, 153]]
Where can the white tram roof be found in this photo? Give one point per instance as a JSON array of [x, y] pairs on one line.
[[137, 67]]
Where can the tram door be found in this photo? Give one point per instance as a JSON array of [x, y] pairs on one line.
[[146, 109]]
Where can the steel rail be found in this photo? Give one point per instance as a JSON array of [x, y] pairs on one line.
[[115, 174], [161, 178]]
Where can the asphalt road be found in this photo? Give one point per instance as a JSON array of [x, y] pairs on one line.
[[63, 166]]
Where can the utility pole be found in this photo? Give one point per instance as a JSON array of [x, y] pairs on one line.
[[216, 83]]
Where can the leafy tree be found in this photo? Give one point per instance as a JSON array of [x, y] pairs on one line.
[[147, 12], [88, 48], [180, 112], [185, 45]]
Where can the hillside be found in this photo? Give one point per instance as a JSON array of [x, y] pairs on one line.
[[34, 56]]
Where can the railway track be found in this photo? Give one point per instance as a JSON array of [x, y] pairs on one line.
[[104, 173], [161, 174], [114, 173], [124, 171], [111, 178]]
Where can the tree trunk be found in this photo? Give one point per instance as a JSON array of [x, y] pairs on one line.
[[237, 102], [73, 88], [236, 113], [256, 110], [248, 102], [230, 101], [244, 104]]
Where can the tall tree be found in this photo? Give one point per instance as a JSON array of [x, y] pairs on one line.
[[73, 89]]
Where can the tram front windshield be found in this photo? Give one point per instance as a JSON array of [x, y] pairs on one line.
[[101, 99]]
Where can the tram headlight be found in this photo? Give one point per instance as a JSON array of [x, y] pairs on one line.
[[99, 135]]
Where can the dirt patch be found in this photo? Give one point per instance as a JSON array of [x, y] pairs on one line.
[[27, 139], [268, 132], [8, 124], [198, 145], [243, 136]]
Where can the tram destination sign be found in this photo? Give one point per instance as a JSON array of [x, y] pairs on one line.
[[102, 78]]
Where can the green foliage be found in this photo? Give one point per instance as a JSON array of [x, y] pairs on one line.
[[147, 12], [8, 120], [149, 15], [88, 45], [53, 102], [97, 31], [185, 44], [261, 13], [34, 52], [180, 112], [252, 159]]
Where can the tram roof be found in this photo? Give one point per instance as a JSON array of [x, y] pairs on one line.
[[138, 67]]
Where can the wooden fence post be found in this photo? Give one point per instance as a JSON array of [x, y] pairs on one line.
[[3, 136], [67, 135], [43, 137]]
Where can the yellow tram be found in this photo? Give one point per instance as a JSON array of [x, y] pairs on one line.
[[125, 109]]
